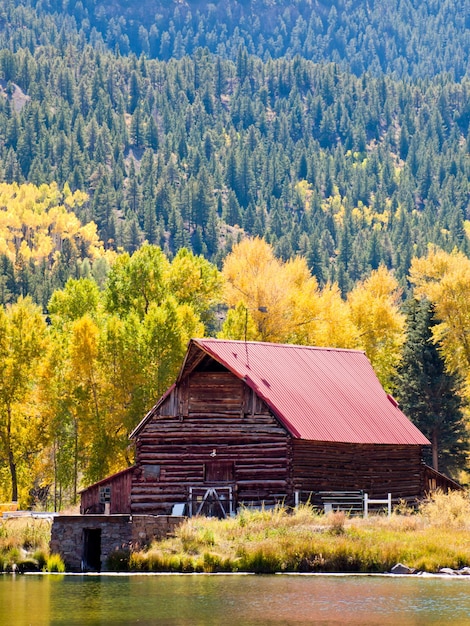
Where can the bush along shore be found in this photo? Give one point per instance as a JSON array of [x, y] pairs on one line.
[[433, 539]]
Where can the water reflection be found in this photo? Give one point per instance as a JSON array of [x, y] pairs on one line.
[[231, 600]]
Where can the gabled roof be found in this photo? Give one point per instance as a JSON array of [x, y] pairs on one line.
[[107, 479], [318, 394]]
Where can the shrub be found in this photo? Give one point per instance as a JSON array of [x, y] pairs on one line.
[[14, 555], [336, 520], [260, 559], [448, 510], [118, 561], [27, 533], [138, 562], [212, 562], [41, 559], [188, 534], [208, 537], [54, 563], [28, 565]]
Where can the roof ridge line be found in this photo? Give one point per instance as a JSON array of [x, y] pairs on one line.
[[241, 342]]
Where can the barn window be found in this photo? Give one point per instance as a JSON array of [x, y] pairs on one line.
[[219, 472], [105, 494], [152, 472]]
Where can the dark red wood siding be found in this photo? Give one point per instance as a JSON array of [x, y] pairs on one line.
[[435, 480], [120, 494]]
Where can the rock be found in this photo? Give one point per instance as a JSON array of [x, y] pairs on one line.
[[449, 571], [399, 568]]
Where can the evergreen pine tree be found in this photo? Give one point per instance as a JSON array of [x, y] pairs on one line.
[[429, 395]]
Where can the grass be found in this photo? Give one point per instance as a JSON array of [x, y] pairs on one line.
[[24, 544], [279, 540], [304, 541]]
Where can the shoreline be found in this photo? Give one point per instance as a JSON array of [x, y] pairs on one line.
[[428, 575]]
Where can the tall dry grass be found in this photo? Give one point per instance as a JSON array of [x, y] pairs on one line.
[[24, 543], [303, 540], [280, 540]]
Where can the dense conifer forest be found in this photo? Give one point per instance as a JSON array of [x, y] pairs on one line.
[[339, 132], [142, 143]]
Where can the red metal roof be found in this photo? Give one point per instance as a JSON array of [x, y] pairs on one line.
[[320, 394]]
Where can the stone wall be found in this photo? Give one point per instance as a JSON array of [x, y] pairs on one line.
[[85, 542], [145, 528]]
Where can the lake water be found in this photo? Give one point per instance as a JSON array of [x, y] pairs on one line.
[[222, 600]]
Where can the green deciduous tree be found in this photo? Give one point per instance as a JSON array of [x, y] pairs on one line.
[[136, 281]]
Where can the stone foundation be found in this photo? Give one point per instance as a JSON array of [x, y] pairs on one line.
[[85, 542]]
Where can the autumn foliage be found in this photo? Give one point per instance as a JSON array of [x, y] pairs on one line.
[[73, 388]]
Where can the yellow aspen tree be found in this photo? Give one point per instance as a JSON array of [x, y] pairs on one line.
[[333, 326], [92, 372], [38, 220], [22, 345], [444, 279], [254, 280], [274, 301], [374, 306], [262, 293], [64, 380], [91, 435]]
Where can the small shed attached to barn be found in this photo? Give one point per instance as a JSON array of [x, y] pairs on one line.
[[250, 423]]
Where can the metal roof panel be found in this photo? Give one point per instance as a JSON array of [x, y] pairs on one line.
[[320, 394]]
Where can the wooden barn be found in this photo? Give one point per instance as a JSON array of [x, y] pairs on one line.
[[258, 423]]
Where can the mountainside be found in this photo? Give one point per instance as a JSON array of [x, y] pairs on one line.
[[329, 129], [406, 37], [248, 133]]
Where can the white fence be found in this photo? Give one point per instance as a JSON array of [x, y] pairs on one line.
[[368, 501], [352, 502]]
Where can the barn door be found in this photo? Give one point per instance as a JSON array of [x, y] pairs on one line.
[[211, 501], [91, 549]]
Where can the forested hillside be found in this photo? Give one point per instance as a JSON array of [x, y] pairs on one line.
[[196, 146], [404, 37], [265, 170]]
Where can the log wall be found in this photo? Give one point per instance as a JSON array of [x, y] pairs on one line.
[[375, 469], [210, 431]]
